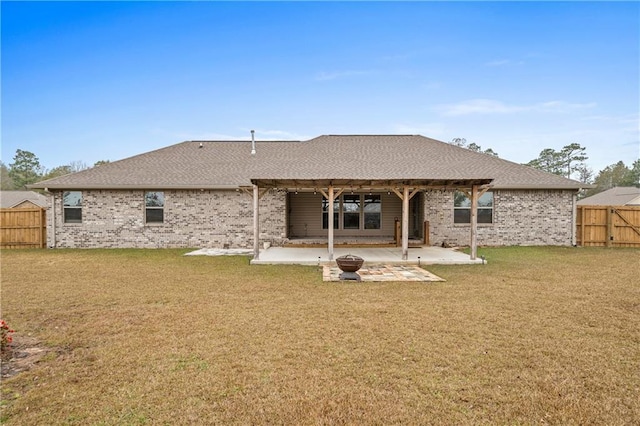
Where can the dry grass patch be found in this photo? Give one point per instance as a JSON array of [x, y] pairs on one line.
[[539, 335]]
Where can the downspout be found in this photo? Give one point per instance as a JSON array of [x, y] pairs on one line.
[[53, 218], [256, 222], [574, 219]]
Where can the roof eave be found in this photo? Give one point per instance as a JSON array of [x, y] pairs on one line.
[[540, 187], [134, 187]]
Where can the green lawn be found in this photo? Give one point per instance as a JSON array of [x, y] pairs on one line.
[[536, 336]]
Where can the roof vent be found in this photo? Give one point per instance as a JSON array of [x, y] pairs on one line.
[[253, 143]]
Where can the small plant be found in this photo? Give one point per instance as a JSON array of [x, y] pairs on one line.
[[5, 335]]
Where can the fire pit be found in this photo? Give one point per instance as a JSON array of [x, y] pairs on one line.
[[349, 264]]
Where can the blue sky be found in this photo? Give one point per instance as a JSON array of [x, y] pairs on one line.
[[89, 81]]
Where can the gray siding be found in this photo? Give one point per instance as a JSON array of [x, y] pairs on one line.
[[305, 217]]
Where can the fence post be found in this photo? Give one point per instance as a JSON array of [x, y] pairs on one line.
[[583, 225], [607, 243]]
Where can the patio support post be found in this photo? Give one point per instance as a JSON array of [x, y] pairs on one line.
[[330, 222], [474, 221], [405, 223], [256, 222]]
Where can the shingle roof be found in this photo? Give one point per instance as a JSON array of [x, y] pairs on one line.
[[618, 196], [216, 164], [9, 199]]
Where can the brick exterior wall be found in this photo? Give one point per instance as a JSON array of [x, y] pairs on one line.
[[224, 218], [520, 217], [192, 219]]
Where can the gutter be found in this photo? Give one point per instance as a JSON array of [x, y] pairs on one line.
[[133, 186]]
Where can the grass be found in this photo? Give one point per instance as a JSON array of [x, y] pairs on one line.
[[536, 336]]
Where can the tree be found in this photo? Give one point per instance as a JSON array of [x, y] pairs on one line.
[[57, 172], [25, 169], [549, 161], [585, 173], [617, 174], [570, 154], [564, 162], [635, 173], [462, 143], [73, 167], [101, 162], [6, 183]]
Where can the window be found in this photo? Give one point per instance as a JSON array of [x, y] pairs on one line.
[[325, 213], [72, 202], [353, 207], [462, 208], [372, 209], [351, 212], [154, 207]]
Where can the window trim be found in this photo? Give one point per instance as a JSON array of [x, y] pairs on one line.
[[348, 213], [66, 208], [339, 212], [491, 209], [147, 208]]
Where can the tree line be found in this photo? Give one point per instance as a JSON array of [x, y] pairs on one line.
[[569, 161], [26, 169]]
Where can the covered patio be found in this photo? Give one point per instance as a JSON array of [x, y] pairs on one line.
[[405, 189]]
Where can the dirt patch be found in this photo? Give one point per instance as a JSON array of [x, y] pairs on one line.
[[22, 354]]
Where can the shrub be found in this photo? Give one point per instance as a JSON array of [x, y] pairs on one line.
[[5, 335]]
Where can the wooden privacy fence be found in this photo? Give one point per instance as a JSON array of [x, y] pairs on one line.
[[23, 228], [608, 226]]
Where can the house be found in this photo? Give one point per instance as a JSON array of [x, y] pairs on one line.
[[618, 196], [247, 193], [22, 200]]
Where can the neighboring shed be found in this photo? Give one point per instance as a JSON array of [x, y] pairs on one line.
[[22, 200], [618, 196]]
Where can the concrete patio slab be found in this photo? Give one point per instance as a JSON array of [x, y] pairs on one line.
[[220, 252], [426, 255]]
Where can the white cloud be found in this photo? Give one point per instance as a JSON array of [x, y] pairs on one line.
[[492, 106], [562, 106], [502, 63], [478, 106], [498, 63], [325, 76]]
